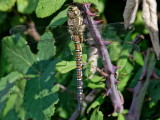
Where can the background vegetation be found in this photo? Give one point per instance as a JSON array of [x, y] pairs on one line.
[[38, 81]]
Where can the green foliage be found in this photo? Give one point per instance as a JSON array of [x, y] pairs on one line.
[[6, 5], [47, 7], [65, 66], [26, 6], [46, 47], [6, 87], [138, 58], [96, 103], [43, 97], [96, 115], [21, 59], [87, 1], [59, 19], [38, 79]]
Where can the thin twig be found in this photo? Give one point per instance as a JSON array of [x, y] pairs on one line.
[[65, 89], [32, 31], [101, 72]]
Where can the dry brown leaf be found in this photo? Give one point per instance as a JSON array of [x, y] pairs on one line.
[[149, 15], [130, 11]]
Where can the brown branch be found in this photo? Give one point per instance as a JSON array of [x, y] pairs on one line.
[[32, 31]]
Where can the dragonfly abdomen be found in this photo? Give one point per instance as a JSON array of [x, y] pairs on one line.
[[78, 51]]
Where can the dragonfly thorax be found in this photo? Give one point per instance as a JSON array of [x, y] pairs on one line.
[[75, 21]]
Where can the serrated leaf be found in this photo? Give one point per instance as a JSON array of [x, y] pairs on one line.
[[46, 46], [96, 115], [6, 84], [40, 100], [87, 1], [26, 6], [96, 103], [59, 19], [138, 58], [65, 66], [19, 56], [47, 7], [6, 5]]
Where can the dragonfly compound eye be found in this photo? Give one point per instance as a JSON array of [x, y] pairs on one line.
[[73, 12]]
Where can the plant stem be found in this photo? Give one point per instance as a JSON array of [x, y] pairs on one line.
[[141, 87]]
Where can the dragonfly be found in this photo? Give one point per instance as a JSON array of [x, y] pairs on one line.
[[76, 29], [114, 32]]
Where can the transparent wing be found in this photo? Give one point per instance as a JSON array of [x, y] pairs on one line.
[[45, 36], [118, 36], [114, 32]]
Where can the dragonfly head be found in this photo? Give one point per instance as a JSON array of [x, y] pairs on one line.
[[73, 12]]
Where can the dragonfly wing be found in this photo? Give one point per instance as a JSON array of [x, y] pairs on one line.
[[46, 37], [120, 37]]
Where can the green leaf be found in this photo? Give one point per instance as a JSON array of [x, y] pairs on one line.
[[59, 19], [47, 7], [26, 6], [121, 117], [87, 1], [6, 84], [125, 53], [65, 66], [138, 58], [96, 79], [99, 85], [96, 103], [124, 75], [41, 94], [46, 46], [6, 5], [96, 115], [19, 54], [14, 102]]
